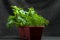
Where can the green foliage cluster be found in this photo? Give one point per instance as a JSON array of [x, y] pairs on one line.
[[24, 18]]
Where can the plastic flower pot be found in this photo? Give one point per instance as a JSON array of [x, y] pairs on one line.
[[31, 33]]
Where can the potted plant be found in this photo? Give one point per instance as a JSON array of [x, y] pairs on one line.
[[30, 24]]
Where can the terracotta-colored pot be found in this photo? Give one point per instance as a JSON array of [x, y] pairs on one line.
[[31, 33]]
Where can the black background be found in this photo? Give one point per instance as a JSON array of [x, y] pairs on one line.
[[49, 9]]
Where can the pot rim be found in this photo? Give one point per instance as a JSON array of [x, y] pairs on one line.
[[31, 26]]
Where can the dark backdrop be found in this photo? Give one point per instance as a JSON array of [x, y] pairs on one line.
[[49, 9]]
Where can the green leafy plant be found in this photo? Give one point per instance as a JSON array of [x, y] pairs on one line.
[[24, 18]]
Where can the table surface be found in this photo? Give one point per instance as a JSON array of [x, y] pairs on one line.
[[43, 38], [50, 38]]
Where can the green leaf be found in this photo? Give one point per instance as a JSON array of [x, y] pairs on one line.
[[26, 18]]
